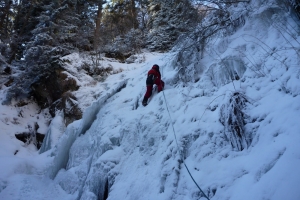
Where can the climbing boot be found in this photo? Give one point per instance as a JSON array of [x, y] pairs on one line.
[[145, 100]]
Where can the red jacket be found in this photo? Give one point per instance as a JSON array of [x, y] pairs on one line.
[[155, 72], [154, 77]]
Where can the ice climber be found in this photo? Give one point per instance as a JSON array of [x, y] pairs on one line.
[[154, 77]]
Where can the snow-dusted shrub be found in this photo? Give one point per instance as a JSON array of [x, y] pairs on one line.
[[17, 92], [189, 67], [130, 42], [98, 72], [131, 59], [232, 117], [227, 70]]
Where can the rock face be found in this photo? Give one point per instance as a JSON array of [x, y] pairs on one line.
[[27, 138], [50, 87], [32, 136], [68, 104], [53, 90]]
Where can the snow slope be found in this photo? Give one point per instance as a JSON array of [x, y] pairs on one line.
[[122, 150]]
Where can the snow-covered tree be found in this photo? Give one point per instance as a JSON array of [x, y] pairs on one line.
[[167, 20], [47, 30]]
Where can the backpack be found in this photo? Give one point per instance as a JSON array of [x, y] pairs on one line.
[[150, 79]]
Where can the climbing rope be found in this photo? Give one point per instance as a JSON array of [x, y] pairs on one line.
[[179, 149]]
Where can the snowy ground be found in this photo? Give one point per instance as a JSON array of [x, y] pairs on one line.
[[132, 150]]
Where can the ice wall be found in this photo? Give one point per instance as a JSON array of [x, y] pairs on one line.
[[55, 131], [77, 128]]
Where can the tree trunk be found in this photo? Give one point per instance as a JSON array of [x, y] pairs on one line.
[[98, 23], [5, 18], [133, 14]]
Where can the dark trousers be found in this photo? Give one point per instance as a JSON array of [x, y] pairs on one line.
[[160, 87]]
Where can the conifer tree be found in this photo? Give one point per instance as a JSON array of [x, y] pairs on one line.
[[5, 18], [7, 15], [46, 30]]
